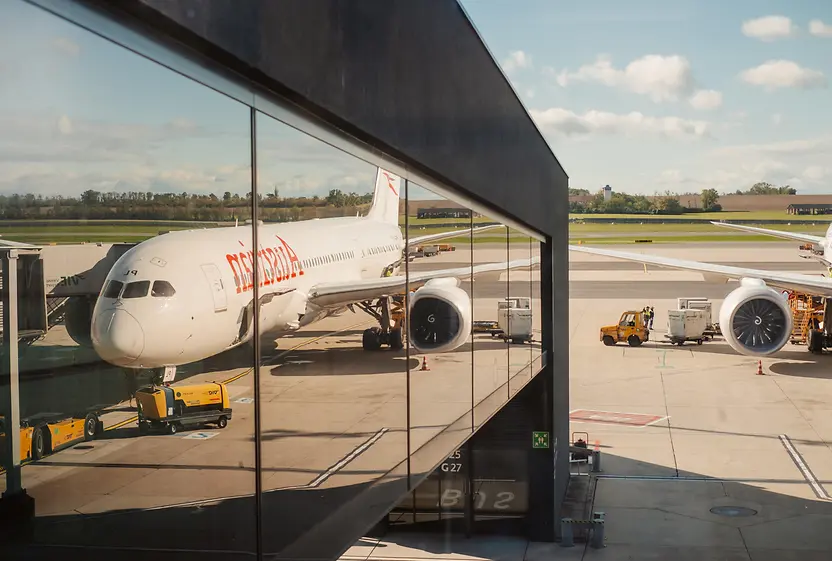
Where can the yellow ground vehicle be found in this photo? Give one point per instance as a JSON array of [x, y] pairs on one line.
[[630, 328], [175, 407], [41, 436]]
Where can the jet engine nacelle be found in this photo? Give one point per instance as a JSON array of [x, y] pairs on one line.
[[755, 319], [78, 319], [439, 316]]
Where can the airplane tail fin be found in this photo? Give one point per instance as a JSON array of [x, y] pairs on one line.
[[385, 207]]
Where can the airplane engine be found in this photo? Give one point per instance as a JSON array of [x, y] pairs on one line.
[[78, 319], [439, 317], [755, 319]]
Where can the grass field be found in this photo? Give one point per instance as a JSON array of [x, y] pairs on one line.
[[131, 231], [728, 216]]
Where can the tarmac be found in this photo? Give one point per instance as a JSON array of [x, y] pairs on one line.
[[701, 457]]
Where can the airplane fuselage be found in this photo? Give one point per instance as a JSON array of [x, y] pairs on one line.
[[188, 295]]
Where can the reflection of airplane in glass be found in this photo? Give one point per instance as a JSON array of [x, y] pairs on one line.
[[187, 295], [755, 319]]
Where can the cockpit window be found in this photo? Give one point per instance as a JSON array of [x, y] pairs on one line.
[[113, 288], [162, 289], [136, 289]]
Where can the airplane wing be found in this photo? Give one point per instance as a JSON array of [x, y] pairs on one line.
[[817, 286], [449, 234], [8, 243], [336, 294], [775, 233]]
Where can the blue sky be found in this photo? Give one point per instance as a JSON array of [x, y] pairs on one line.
[[650, 96]]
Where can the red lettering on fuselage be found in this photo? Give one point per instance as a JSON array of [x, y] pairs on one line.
[[277, 264]]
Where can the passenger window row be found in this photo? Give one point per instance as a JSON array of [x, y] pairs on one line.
[[138, 289], [327, 259]]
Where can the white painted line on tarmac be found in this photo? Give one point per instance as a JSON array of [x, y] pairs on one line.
[[347, 459], [804, 468]]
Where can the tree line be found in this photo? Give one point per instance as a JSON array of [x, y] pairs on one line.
[[136, 205], [622, 203]]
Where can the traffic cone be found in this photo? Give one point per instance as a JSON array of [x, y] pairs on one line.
[[760, 368], [597, 445], [424, 364]]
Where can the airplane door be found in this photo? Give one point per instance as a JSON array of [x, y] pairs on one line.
[[214, 278]]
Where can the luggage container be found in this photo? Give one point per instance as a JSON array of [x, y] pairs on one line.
[[172, 408], [686, 325]]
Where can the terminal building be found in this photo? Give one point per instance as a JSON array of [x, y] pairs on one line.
[[227, 351]]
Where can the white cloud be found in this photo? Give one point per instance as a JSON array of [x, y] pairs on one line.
[[775, 74], [66, 46], [706, 99], [566, 122], [662, 78], [816, 173], [801, 163], [515, 60], [777, 118], [769, 28], [820, 29], [65, 125]]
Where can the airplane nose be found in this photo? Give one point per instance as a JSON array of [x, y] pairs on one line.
[[117, 337]]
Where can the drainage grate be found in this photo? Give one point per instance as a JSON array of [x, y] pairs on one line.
[[733, 511]]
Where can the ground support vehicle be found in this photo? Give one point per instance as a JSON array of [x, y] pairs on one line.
[[172, 408], [631, 328], [46, 434]]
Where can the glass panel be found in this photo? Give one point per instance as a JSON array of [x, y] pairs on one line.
[[537, 334], [439, 335], [136, 289], [113, 289], [490, 348], [333, 384], [91, 131], [162, 289], [518, 311]]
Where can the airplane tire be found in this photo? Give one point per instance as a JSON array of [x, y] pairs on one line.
[[395, 339], [371, 340], [815, 341]]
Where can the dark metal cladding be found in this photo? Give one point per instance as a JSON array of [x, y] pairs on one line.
[[410, 78]]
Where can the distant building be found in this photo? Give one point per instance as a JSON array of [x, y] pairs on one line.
[[607, 192], [809, 209], [443, 213]]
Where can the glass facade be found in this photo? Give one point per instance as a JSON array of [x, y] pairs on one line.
[[251, 333]]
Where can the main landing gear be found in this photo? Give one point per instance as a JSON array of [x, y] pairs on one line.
[[389, 312]]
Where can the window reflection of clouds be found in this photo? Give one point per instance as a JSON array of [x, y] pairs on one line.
[[81, 114], [299, 165]]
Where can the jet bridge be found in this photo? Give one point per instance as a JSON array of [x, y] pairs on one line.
[[39, 287]]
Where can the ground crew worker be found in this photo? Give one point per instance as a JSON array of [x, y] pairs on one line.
[[650, 315]]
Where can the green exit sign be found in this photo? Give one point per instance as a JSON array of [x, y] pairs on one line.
[[540, 439]]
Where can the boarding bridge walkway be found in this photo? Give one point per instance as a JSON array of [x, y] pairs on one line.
[[47, 277]]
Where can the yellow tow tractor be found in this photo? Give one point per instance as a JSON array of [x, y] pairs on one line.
[[172, 408], [630, 328], [43, 435]]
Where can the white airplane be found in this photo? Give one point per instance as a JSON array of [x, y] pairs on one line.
[[755, 318], [187, 295]]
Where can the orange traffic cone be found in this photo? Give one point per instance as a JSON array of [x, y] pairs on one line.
[[424, 364], [760, 368]]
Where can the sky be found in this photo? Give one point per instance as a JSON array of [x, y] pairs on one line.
[[644, 96], [651, 96]]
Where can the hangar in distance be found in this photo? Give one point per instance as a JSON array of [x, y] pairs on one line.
[[187, 295]]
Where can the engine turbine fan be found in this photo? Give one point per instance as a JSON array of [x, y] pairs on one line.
[[439, 316], [755, 319]]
